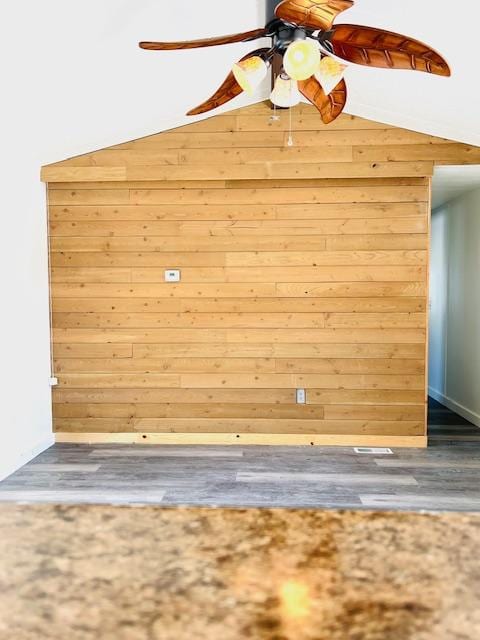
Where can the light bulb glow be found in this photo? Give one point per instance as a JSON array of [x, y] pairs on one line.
[[329, 73], [301, 59], [285, 93], [249, 73], [296, 601]]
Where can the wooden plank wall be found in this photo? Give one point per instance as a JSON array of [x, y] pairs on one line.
[[288, 281]]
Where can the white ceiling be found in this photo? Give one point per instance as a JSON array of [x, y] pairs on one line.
[[451, 182], [77, 81], [447, 107]]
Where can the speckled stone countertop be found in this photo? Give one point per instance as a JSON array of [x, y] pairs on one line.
[[150, 573]]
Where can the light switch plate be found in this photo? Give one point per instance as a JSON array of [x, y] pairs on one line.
[[172, 275], [301, 396]]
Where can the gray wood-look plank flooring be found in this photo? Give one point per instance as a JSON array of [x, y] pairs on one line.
[[444, 477]]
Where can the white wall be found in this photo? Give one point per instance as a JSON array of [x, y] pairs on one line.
[[74, 80], [417, 100], [455, 305], [438, 300]]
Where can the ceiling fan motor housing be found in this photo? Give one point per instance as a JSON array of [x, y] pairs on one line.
[[285, 35]]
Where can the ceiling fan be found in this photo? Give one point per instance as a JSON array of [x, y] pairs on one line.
[[309, 46]]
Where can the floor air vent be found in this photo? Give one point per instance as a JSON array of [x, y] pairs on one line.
[[377, 451]]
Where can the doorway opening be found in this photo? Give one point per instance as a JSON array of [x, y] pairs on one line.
[[454, 306]]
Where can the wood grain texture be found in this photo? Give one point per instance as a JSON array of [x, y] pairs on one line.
[[330, 106], [297, 271], [265, 439], [218, 398], [205, 42], [246, 145], [314, 14], [231, 425], [379, 48]]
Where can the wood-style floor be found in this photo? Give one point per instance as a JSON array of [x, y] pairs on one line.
[[444, 477]]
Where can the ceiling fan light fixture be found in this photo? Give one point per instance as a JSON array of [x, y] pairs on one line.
[[302, 59], [285, 93], [301, 32], [329, 73], [250, 73]]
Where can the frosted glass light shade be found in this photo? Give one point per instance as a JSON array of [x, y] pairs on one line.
[[329, 73], [285, 92], [301, 59], [249, 73]]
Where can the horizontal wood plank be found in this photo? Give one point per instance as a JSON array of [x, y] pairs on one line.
[[238, 290], [272, 439], [110, 351], [280, 350], [240, 228], [325, 336], [375, 320], [238, 259], [166, 365], [440, 154], [241, 410], [194, 320], [240, 320], [265, 171], [85, 174], [323, 397], [205, 410], [239, 365], [226, 211], [235, 425], [237, 305]]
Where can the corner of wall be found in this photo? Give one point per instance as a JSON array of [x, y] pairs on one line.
[[11, 460], [471, 416]]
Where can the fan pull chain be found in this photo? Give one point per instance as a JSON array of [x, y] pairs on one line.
[[290, 138], [275, 117]]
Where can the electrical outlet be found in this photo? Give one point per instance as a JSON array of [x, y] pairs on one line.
[[172, 275], [301, 396]]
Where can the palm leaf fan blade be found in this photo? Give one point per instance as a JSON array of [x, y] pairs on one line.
[[384, 49], [331, 106], [205, 42], [228, 90], [313, 14]]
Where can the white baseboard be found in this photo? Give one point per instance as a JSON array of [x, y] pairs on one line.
[[7, 467], [473, 417]]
